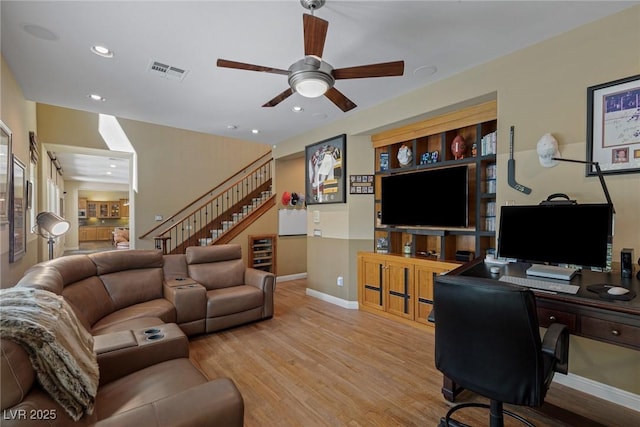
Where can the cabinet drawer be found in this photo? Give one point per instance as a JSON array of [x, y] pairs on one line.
[[548, 316], [617, 333]]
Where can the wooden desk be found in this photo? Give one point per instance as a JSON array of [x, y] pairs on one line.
[[586, 314]]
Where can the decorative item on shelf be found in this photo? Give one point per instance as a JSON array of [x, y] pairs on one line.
[[425, 158], [404, 155], [382, 245], [458, 147], [384, 161], [407, 248], [286, 198], [429, 157], [474, 149], [379, 219], [488, 144]]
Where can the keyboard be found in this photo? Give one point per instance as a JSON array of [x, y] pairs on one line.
[[551, 271], [543, 285]]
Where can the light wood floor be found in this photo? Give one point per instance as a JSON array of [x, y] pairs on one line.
[[316, 364]]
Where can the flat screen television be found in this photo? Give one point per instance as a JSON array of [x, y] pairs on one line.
[[432, 198], [577, 235]]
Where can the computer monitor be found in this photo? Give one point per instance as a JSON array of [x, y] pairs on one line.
[[573, 234]]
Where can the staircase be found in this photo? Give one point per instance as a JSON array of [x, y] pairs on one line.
[[220, 214]]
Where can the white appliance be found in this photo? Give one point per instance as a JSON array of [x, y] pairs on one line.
[[82, 213]]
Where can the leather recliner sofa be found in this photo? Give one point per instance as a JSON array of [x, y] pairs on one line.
[[119, 297]]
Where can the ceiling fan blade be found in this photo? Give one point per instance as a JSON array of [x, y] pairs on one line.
[[250, 67], [315, 33], [384, 69], [341, 101], [278, 99]]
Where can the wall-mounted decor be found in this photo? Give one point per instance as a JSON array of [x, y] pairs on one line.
[[613, 126], [360, 184], [5, 168], [325, 168], [17, 212]]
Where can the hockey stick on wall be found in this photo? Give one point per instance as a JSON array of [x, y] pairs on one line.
[[511, 168]]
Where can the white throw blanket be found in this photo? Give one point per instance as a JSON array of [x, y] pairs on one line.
[[59, 347]]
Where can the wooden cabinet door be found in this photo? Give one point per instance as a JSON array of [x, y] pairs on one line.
[[114, 209], [82, 203], [90, 233], [423, 302], [92, 209], [370, 283], [124, 208], [103, 233], [103, 209], [399, 280]]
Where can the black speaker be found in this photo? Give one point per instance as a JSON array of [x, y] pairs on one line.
[[626, 263]]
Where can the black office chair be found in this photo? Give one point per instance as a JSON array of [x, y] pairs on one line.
[[488, 341]]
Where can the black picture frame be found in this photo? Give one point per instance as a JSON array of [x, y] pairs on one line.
[[613, 126], [17, 211], [361, 184], [5, 171], [325, 171]]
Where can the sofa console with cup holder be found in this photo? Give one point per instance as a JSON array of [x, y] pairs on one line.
[[139, 307]]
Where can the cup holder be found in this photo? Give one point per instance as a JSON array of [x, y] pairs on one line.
[[155, 337], [152, 331]]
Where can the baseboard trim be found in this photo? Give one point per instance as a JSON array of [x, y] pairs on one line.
[[290, 277], [603, 391], [351, 305]]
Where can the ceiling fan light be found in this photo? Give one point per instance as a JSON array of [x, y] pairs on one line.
[[311, 88]]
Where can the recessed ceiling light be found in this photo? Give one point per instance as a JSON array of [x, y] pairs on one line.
[[40, 32], [105, 52], [255, 131], [425, 71], [297, 109], [112, 166], [108, 172], [96, 97]]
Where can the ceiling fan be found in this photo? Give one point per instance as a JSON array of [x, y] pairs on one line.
[[311, 76]]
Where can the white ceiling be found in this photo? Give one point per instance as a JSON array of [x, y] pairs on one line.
[[55, 66]]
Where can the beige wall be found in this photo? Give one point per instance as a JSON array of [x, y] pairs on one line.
[[19, 115], [539, 89], [175, 166], [292, 250]]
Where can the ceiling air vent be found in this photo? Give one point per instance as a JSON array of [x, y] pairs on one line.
[[167, 71]]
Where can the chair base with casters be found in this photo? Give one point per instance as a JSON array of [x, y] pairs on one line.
[[488, 341], [496, 415]]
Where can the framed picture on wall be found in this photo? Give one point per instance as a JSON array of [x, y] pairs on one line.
[[5, 169], [613, 126], [325, 171], [17, 212]]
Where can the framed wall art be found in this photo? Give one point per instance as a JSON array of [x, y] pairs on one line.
[[5, 168], [361, 184], [613, 126], [17, 212], [325, 171]]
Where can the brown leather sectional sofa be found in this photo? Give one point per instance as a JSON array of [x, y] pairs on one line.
[[140, 306]]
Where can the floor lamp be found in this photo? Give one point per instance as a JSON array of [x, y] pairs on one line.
[[49, 226]]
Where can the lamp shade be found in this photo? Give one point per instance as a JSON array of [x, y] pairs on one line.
[[52, 223], [311, 87]]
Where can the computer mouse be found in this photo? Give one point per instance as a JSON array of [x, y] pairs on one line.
[[494, 269], [617, 290]]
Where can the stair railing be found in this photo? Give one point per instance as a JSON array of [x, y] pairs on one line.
[[215, 212]]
